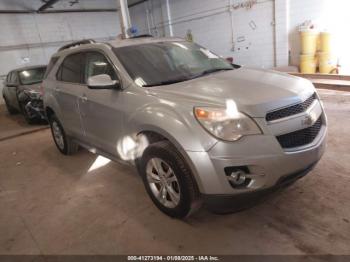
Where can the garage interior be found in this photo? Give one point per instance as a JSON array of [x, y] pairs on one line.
[[51, 204]]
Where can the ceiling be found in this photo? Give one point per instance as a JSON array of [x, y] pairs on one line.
[[34, 5]]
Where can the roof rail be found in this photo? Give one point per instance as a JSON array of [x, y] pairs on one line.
[[81, 42], [142, 36]]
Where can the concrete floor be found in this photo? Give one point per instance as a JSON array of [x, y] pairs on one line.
[[52, 204], [15, 125]]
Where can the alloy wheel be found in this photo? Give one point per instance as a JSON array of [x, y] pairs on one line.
[[58, 135], [163, 182]]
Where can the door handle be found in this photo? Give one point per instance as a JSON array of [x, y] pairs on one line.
[[83, 98], [56, 89]]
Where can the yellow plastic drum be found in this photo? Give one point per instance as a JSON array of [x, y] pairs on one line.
[[308, 64], [325, 42], [326, 64], [308, 42]]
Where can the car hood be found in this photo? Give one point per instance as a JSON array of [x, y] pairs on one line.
[[255, 91]]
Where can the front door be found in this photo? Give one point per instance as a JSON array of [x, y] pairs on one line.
[[101, 109]]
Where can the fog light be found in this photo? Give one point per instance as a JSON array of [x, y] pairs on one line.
[[237, 178]]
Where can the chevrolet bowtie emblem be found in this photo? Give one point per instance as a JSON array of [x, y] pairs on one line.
[[309, 120]]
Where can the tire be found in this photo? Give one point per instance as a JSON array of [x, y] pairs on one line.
[[28, 119], [63, 143], [182, 195], [9, 108]]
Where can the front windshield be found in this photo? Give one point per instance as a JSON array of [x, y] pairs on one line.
[[164, 63], [32, 76]]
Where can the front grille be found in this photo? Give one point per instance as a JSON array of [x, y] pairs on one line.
[[301, 137], [292, 110], [38, 104]]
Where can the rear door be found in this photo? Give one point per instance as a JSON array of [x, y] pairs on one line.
[[69, 88]]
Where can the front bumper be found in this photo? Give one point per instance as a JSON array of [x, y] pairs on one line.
[[35, 109], [236, 203], [261, 154]]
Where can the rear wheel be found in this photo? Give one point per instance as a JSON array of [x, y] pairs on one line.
[[168, 180], [64, 143], [9, 108]]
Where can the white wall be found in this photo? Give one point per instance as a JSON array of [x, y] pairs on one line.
[[35, 37], [210, 23], [149, 17], [250, 41]]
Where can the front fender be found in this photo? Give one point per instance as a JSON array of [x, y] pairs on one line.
[[180, 128], [22, 97]]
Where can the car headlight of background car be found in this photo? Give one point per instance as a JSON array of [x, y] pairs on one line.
[[226, 123], [33, 94]]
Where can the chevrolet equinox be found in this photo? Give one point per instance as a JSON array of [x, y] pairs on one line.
[[199, 129]]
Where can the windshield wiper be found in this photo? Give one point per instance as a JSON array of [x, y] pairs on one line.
[[168, 82], [174, 81], [210, 71]]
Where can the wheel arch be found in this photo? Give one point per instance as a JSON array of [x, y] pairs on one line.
[[49, 112], [156, 134]]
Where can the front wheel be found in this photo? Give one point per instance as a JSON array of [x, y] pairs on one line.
[[64, 143], [27, 116], [9, 108], [168, 180]]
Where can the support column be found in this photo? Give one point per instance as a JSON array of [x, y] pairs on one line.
[[124, 16], [171, 33], [281, 33]]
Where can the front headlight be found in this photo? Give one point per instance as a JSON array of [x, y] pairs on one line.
[[226, 123], [33, 94]]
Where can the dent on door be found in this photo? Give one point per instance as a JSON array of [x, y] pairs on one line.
[[102, 118], [67, 96]]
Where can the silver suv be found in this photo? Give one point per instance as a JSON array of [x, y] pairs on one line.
[[197, 128]]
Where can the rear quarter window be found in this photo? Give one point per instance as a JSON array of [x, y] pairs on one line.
[[14, 78], [8, 78], [51, 64]]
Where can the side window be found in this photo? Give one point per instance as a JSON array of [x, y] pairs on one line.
[[71, 69], [14, 78], [97, 64], [8, 79], [59, 73]]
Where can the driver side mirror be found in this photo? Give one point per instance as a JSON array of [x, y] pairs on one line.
[[102, 81]]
